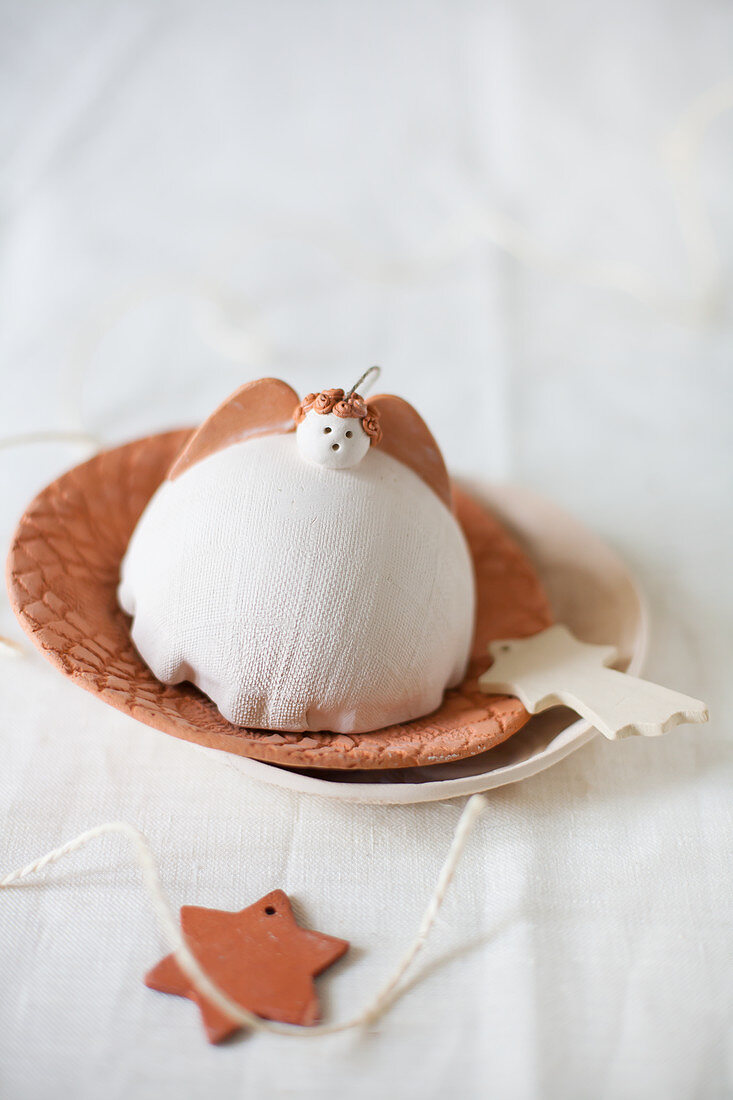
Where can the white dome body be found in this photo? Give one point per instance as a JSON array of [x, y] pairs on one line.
[[300, 597]]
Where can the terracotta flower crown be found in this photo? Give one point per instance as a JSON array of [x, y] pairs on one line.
[[334, 401]]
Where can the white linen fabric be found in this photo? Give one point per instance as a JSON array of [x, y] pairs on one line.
[[299, 597], [193, 195]]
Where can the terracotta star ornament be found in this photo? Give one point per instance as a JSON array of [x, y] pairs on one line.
[[260, 957]]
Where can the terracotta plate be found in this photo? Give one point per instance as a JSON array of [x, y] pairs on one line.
[[62, 575]]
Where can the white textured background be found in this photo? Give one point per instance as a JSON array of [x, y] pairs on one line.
[[523, 211]]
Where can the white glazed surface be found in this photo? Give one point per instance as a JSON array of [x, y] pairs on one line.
[[300, 597]]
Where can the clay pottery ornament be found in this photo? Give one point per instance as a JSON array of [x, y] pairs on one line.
[[260, 957], [304, 580], [65, 560]]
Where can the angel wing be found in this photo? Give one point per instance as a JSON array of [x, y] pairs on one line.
[[406, 437], [263, 407]]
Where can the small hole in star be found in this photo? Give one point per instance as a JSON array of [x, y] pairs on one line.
[[326, 431], [349, 435], [270, 910], [334, 446]]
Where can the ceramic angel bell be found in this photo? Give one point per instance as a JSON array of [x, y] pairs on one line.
[[302, 565]]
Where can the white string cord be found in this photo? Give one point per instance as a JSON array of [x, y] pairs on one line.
[[27, 438], [680, 151], [191, 967], [234, 327], [246, 342]]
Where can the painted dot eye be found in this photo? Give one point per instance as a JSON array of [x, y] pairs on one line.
[[349, 435], [326, 431]]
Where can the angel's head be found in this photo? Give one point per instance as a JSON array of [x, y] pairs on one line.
[[334, 429]]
